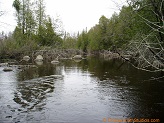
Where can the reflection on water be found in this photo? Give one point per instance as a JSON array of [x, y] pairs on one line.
[[85, 91]]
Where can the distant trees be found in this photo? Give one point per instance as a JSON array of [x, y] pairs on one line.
[[34, 24], [25, 17], [149, 44], [47, 35], [40, 12], [94, 37], [69, 42], [109, 32], [34, 30], [117, 30], [135, 21], [138, 29], [83, 41]]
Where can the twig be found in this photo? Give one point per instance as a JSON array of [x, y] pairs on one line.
[[155, 78]]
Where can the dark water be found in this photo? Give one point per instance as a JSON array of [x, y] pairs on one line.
[[87, 91]]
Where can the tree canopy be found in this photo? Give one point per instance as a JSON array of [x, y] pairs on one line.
[[34, 24], [138, 28]]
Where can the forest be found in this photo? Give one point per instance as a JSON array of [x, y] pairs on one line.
[[137, 30]]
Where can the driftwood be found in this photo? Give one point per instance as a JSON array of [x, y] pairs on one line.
[[51, 55]]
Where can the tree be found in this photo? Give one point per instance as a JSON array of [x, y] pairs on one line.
[[154, 14], [94, 38], [149, 45], [83, 41], [40, 12], [30, 23], [70, 42], [20, 13], [47, 36], [103, 28], [25, 17]]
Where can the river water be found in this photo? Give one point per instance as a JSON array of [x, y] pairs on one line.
[[92, 90]]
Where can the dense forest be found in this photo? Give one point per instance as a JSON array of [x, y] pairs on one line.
[[34, 28], [138, 30]]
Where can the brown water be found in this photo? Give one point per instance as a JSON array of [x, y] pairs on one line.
[[87, 91]]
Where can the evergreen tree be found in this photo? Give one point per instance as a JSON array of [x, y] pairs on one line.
[[83, 41], [25, 17]]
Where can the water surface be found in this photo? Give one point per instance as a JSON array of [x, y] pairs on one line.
[[85, 91]]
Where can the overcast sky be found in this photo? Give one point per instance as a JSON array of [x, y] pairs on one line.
[[75, 15]]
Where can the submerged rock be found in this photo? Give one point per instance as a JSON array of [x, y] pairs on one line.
[[39, 62], [7, 69]]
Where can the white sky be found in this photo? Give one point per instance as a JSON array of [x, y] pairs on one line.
[[76, 15]]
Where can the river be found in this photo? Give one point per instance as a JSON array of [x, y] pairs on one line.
[[93, 90]]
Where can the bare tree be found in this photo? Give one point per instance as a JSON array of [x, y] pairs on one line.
[[1, 12], [148, 55]]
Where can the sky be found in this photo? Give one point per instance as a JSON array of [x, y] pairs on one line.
[[75, 15]]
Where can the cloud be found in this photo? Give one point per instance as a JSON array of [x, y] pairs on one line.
[[79, 14], [76, 15]]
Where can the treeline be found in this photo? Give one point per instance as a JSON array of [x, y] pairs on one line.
[[137, 21], [136, 33], [34, 24], [138, 26], [34, 30]]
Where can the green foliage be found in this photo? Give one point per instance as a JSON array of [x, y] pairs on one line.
[[40, 12], [150, 12], [139, 18], [16, 5], [103, 28], [11, 48], [133, 23], [25, 16], [47, 36], [69, 42], [34, 25], [83, 41], [94, 37]]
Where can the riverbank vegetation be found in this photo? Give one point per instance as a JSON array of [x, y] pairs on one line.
[[137, 31]]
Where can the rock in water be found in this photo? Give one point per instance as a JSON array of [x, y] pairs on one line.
[[54, 62], [3, 64], [7, 69], [39, 58], [39, 62], [26, 58], [77, 60], [77, 57]]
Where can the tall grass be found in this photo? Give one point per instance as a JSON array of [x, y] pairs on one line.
[[10, 48]]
